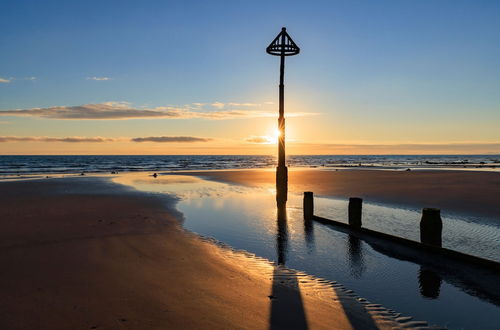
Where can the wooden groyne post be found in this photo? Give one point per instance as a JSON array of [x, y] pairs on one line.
[[355, 208], [431, 227], [308, 205]]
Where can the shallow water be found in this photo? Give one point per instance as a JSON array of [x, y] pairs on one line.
[[246, 218]]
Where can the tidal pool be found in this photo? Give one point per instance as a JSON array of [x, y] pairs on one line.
[[248, 219]]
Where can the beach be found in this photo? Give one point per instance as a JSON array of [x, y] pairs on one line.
[[93, 252], [85, 253]]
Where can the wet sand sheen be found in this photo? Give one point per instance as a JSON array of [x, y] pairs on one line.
[[83, 253], [471, 193]]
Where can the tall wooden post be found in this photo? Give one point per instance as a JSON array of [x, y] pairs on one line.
[[281, 170], [282, 46]]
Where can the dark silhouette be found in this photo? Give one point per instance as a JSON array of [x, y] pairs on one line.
[[282, 46], [431, 227], [355, 208], [287, 308], [308, 205]]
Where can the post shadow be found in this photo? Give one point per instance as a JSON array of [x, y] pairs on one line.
[[287, 308], [356, 313]]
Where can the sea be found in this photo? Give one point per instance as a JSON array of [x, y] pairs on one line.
[[22, 165]]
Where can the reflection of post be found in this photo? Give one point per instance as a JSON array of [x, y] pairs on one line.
[[429, 282], [355, 251], [282, 234], [309, 234]]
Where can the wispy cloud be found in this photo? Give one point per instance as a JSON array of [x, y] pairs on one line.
[[402, 149], [123, 110], [99, 78], [259, 139], [218, 105], [10, 79], [71, 139], [188, 139], [233, 104]]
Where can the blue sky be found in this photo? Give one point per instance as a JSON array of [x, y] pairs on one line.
[[370, 72]]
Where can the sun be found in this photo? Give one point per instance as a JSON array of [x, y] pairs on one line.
[[273, 139]]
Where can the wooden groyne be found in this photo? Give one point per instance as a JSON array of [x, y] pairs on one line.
[[430, 233]]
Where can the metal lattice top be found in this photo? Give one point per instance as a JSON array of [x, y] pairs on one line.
[[283, 45]]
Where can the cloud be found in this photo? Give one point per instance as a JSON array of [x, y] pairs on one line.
[[402, 149], [218, 105], [71, 139], [8, 80], [233, 104], [186, 139], [109, 110], [259, 139], [123, 110], [98, 78], [221, 105]]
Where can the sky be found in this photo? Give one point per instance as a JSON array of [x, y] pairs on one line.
[[193, 77]]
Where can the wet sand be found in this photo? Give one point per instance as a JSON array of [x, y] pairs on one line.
[[466, 192], [84, 253]]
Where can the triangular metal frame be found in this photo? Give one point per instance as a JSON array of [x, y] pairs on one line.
[[283, 45]]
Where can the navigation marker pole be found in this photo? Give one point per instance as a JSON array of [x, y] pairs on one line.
[[282, 46]]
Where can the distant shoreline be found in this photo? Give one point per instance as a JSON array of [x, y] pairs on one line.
[[50, 165]]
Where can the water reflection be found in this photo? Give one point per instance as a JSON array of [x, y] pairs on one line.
[[281, 233], [250, 219], [287, 308], [355, 254], [309, 235], [429, 283]]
